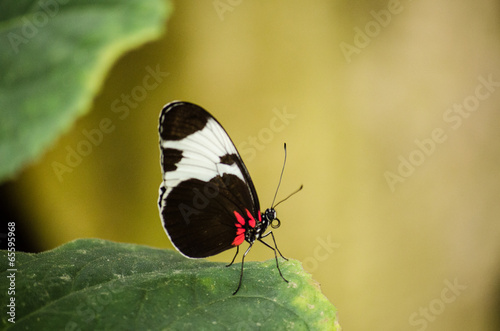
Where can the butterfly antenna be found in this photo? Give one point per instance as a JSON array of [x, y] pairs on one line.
[[281, 176], [297, 190]]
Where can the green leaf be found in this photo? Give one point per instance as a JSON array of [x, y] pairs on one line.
[[54, 56], [93, 284]]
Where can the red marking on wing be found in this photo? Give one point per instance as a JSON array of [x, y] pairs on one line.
[[251, 220], [238, 240], [239, 218], [240, 226], [240, 230]]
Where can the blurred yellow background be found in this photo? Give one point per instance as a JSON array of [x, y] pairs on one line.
[[390, 111]]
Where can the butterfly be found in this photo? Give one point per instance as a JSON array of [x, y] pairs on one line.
[[207, 200]]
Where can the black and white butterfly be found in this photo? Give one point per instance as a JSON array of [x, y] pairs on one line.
[[207, 200]]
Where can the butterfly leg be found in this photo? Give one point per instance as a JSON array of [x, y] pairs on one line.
[[275, 256], [242, 262], [237, 250], [274, 241]]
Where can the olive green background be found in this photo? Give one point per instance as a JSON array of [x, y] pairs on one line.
[[421, 253]]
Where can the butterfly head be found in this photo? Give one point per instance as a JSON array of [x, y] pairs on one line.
[[270, 217]]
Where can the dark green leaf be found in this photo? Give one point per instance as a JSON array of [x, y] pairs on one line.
[[54, 56], [92, 284]]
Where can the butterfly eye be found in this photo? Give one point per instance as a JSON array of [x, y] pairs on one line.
[[270, 214]]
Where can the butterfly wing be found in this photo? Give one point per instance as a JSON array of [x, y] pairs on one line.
[[204, 182]]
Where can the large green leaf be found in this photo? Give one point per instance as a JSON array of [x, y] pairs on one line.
[[93, 284], [54, 55]]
